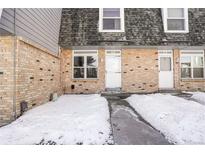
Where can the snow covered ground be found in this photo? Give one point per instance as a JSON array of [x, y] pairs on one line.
[[72, 119], [181, 121], [199, 96]]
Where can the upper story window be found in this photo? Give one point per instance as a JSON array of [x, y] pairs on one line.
[[111, 20], [175, 20], [192, 64]]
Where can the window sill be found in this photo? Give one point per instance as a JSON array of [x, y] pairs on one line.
[[82, 80], [111, 31], [173, 31], [193, 80]]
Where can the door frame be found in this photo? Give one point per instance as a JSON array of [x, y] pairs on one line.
[[166, 53], [107, 54]]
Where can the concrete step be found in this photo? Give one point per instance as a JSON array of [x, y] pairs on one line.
[[169, 91], [115, 95]]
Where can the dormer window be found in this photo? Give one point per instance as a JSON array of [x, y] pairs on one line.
[[111, 20], [175, 20]]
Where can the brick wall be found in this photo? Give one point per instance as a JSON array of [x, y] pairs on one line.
[[40, 73], [82, 86], [139, 70], [37, 76], [6, 79]]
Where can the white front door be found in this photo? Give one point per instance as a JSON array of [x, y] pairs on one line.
[[113, 69], [165, 69]]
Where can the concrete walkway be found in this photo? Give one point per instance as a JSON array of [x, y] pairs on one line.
[[129, 128]]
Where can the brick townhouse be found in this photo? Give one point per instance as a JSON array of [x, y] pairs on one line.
[[132, 50], [91, 50]]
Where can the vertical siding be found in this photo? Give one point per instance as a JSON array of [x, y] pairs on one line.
[[38, 25]]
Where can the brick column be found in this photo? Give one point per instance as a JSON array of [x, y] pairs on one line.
[[176, 65]]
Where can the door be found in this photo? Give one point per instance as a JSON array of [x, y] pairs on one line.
[[113, 69], [165, 69]]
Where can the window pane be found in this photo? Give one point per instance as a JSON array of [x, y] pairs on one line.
[[198, 61], [165, 64], [91, 61], [185, 62], [175, 12], [186, 72], [78, 61], [78, 73], [111, 12], [198, 72], [111, 24], [91, 72], [175, 24]]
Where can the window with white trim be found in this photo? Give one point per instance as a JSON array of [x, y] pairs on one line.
[[192, 64], [175, 20], [85, 64], [111, 20]]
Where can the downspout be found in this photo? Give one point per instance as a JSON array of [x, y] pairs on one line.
[[14, 66]]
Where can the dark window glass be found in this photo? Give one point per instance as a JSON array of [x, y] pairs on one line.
[[186, 72], [91, 72], [78, 61], [78, 72], [111, 24], [111, 12], [175, 24], [198, 72]]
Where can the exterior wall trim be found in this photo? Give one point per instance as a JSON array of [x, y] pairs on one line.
[[136, 47]]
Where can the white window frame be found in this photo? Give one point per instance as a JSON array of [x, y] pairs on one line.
[[122, 26], [165, 18], [84, 54], [192, 55]]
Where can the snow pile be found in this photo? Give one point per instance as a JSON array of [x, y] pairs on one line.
[[199, 96], [180, 120], [72, 119]]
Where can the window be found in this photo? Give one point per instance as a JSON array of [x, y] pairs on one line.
[[111, 20], [165, 64], [192, 64], [175, 20], [85, 64]]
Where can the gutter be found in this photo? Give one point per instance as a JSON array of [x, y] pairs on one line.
[[120, 47]]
